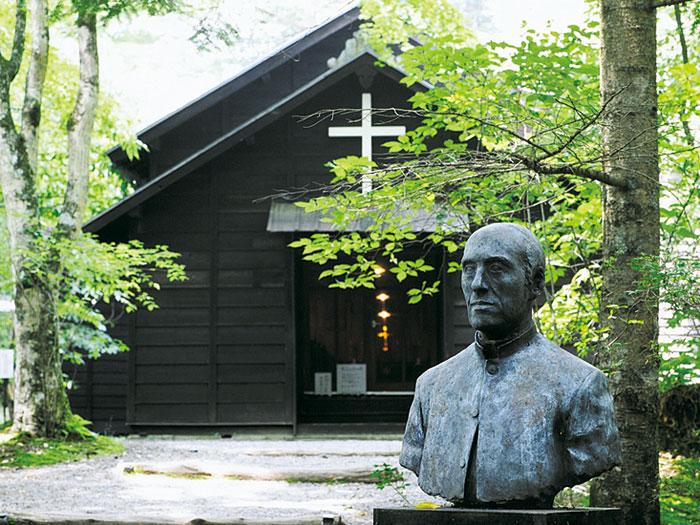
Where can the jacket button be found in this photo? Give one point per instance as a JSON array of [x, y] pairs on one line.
[[492, 368], [462, 463], [475, 412]]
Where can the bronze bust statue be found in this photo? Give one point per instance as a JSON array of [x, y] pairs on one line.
[[511, 419]]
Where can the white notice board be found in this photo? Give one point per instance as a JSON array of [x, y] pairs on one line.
[[6, 363], [352, 379], [323, 383]]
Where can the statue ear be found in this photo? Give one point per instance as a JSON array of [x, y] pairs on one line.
[[537, 283]]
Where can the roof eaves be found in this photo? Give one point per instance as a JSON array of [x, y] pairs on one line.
[[290, 48]]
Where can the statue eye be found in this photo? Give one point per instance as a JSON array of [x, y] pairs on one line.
[[496, 268]]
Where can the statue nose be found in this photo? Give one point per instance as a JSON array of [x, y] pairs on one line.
[[479, 280]]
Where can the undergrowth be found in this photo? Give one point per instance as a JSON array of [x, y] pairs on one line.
[[680, 493], [77, 442]]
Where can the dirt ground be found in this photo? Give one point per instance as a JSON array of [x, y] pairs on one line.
[[220, 480]]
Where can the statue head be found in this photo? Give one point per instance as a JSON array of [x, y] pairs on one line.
[[502, 275]]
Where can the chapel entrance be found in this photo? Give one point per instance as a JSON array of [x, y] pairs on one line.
[[360, 351]]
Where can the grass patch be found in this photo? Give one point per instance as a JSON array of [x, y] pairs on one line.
[[180, 472], [22, 451], [680, 493]]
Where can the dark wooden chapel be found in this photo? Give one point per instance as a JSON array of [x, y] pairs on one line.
[[252, 338]]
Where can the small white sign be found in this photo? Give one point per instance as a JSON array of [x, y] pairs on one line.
[[6, 363], [352, 379], [323, 383]]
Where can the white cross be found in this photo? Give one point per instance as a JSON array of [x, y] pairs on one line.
[[366, 131]]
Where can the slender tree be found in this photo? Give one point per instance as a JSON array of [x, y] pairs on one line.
[[38, 248], [541, 150], [631, 231]]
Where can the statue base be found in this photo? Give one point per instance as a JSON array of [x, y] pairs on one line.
[[459, 516]]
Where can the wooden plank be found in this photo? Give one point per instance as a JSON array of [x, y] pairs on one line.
[[258, 373], [251, 354], [214, 269], [201, 128], [247, 241], [251, 334], [291, 387], [112, 362], [183, 335], [177, 413], [169, 394], [195, 260], [178, 241], [251, 297], [448, 316], [251, 393], [183, 316], [172, 374], [172, 203], [245, 221], [176, 297], [108, 415], [100, 389], [195, 279], [251, 316], [173, 355], [259, 278], [253, 259], [131, 365], [259, 412], [156, 222], [88, 388], [110, 402], [246, 182], [110, 378]]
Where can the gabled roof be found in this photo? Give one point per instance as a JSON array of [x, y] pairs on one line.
[[251, 74], [241, 132]]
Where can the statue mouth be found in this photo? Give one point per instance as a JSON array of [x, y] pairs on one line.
[[482, 305]]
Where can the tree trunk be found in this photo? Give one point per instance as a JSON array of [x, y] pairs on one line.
[[40, 401], [80, 127], [36, 75], [40, 404], [631, 229]]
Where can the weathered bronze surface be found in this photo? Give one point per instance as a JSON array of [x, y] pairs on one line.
[[513, 418]]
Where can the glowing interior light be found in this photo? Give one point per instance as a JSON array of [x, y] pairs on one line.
[[384, 314], [382, 297], [378, 270]]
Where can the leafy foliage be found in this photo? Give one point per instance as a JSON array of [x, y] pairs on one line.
[[385, 475], [679, 501], [92, 272], [84, 274], [508, 132]]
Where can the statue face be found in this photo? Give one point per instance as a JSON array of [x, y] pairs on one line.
[[495, 284]]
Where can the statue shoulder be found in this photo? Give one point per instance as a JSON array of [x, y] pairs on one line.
[[447, 368], [567, 363]]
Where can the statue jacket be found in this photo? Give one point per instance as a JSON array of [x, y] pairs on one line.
[[544, 420]]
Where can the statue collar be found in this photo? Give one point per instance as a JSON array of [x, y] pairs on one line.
[[498, 348]]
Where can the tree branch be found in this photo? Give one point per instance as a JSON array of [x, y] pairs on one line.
[[684, 56], [570, 169], [10, 67], [80, 126], [666, 3], [36, 75]]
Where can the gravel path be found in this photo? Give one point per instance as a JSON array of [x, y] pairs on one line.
[[100, 488]]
